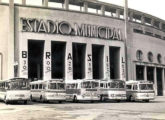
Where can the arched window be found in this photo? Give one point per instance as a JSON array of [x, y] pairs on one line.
[[139, 55], [159, 58], [150, 57]]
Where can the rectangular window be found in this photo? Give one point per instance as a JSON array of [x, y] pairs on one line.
[[129, 87], [138, 31], [149, 33], [40, 86], [36, 86], [158, 36]]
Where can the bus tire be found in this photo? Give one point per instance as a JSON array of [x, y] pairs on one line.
[[102, 99], [130, 99], [75, 99], [59, 101], [118, 101], [6, 101], [25, 102], [146, 100], [42, 99]]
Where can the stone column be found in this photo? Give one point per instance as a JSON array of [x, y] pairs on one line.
[[45, 3], [85, 7], [102, 10], [155, 81], [142, 19], [106, 63], [11, 40], [23, 57], [152, 21], [88, 62], [66, 4], [69, 62], [118, 13], [47, 60], [23, 2], [145, 73], [160, 25], [131, 16]]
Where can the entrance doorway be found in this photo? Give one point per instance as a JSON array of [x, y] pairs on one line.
[[97, 61], [139, 72], [35, 59], [150, 74], [58, 59], [114, 62], [159, 81], [78, 51]]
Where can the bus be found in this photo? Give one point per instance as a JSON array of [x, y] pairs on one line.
[[15, 89], [82, 90], [140, 90], [112, 90], [48, 90]]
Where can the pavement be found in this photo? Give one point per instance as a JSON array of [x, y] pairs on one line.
[[154, 110]]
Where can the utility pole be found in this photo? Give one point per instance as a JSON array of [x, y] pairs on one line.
[[125, 35]]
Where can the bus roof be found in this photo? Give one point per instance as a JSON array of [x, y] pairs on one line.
[[81, 80], [138, 81], [51, 80]]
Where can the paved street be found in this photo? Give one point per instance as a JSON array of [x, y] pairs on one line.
[[155, 110]]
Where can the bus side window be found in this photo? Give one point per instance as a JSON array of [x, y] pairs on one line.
[[129, 87], [32, 86], [36, 86], [44, 86], [134, 87], [101, 85], [40, 86]]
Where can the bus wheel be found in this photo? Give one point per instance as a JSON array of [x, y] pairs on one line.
[[102, 99], [146, 100], [130, 99], [59, 101], [118, 100], [75, 99], [25, 102], [6, 101]]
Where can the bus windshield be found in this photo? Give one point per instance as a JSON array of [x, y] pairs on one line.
[[57, 86], [19, 84], [146, 86], [90, 84]]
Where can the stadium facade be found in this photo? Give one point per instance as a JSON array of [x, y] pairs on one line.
[[44, 42]]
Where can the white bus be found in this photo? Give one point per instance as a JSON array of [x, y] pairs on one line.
[[15, 89], [112, 90], [82, 90], [48, 90], [140, 90]]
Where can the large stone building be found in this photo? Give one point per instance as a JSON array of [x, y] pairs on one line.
[[45, 42]]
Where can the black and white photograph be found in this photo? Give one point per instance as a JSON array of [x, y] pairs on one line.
[[82, 60]]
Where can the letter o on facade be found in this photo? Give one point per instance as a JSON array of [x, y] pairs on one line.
[[102, 32], [65, 28]]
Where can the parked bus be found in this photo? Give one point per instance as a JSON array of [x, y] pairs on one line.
[[140, 90], [112, 90], [82, 90], [15, 89], [48, 90]]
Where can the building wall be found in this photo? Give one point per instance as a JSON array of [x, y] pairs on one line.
[[72, 18], [4, 32]]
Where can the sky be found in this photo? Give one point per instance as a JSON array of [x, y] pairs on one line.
[[153, 7]]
